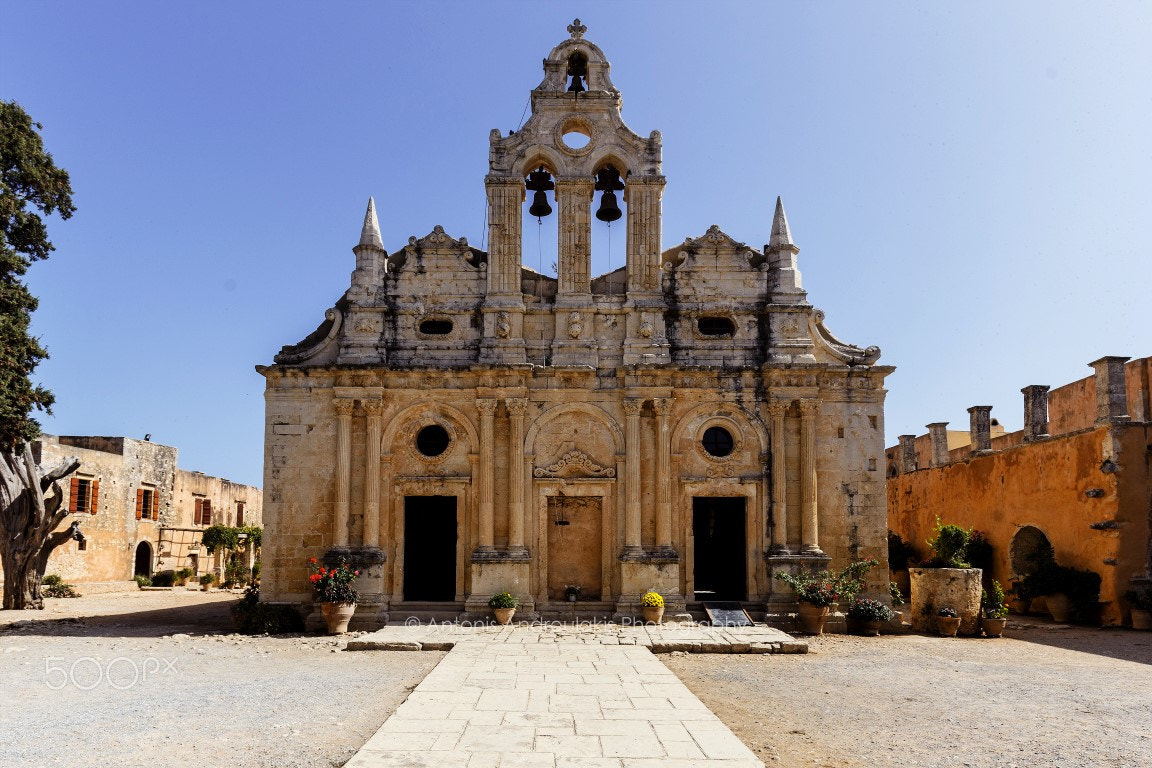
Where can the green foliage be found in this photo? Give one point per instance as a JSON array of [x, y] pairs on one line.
[[826, 587], [948, 546], [652, 599], [182, 576], [256, 572], [333, 585], [54, 586], [206, 579], [979, 552], [163, 578], [227, 537], [894, 593], [900, 552], [143, 581], [864, 609], [992, 602], [948, 613], [252, 617], [29, 182], [236, 572], [502, 600]]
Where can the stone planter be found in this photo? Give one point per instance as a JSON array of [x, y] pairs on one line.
[[811, 618], [936, 588], [994, 627], [337, 615], [1059, 607], [504, 615], [1141, 619], [653, 614], [947, 626]]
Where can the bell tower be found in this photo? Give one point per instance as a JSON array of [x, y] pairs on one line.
[[576, 144]]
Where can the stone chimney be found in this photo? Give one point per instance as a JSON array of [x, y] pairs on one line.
[[1111, 393], [939, 434], [1035, 412], [907, 455], [980, 428]]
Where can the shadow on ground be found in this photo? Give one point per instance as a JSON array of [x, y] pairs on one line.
[[1112, 642], [200, 618]]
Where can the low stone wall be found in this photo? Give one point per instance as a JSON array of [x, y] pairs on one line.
[[936, 588]]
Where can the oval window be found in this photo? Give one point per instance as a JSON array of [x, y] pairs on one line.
[[432, 440], [718, 442], [436, 327], [716, 326], [576, 140]]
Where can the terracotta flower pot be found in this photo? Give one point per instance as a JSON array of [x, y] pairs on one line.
[[1059, 606], [337, 615], [993, 627], [871, 628], [1141, 619], [811, 618], [504, 615], [653, 614], [947, 626]]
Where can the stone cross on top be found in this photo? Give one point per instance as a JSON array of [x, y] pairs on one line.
[[576, 29]]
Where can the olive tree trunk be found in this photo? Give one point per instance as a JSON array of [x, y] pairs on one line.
[[31, 509]]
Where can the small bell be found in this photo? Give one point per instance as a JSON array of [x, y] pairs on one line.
[[577, 70], [608, 182], [539, 182]]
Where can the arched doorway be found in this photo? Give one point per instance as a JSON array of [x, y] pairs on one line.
[[143, 559], [1027, 545]]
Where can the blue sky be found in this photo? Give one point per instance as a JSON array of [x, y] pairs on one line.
[[970, 184]]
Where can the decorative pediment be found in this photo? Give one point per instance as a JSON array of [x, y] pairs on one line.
[[715, 242], [316, 342], [848, 353], [575, 463]]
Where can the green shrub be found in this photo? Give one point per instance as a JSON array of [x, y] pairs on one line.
[[182, 576], [54, 586], [206, 579], [894, 593], [163, 578], [143, 581], [992, 602], [864, 609], [948, 546], [236, 573], [252, 617], [502, 600]]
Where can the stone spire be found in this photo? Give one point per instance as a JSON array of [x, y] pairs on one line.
[[370, 234], [781, 236]]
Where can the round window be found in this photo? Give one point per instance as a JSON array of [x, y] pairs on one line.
[[718, 441], [432, 440]]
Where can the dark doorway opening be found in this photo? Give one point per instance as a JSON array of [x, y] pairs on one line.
[[720, 567], [430, 548], [143, 559]]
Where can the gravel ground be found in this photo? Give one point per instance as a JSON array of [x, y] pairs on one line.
[[1047, 695], [170, 685]]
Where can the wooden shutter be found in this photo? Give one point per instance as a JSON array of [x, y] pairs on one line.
[[139, 501], [239, 514], [94, 496], [207, 511], [155, 505], [73, 494], [198, 516]]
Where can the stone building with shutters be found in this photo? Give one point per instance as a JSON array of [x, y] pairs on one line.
[[138, 511], [461, 425]]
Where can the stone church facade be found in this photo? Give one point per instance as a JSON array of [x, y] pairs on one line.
[[462, 425]]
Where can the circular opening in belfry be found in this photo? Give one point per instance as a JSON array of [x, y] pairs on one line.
[[574, 139], [432, 440], [717, 441]]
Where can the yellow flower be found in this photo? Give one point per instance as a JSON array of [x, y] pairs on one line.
[[652, 600]]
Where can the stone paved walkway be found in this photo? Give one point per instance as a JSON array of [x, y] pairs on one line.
[[494, 702]]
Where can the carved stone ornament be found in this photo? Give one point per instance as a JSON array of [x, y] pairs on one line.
[[576, 29], [503, 326], [344, 406], [575, 325], [646, 330], [575, 463], [516, 406]]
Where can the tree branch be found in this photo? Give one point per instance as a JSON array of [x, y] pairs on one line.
[[59, 472]]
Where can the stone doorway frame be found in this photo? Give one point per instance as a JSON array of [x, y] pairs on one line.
[[606, 489], [755, 530], [461, 488]]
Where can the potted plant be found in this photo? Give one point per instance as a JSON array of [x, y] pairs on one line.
[[503, 604], [946, 580], [652, 605], [897, 601], [995, 611], [869, 615], [332, 588], [1141, 603], [817, 591], [571, 592], [947, 622], [206, 580]]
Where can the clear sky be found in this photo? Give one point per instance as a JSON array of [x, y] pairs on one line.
[[970, 184]]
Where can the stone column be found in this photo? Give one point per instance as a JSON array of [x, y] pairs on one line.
[[980, 427], [643, 193], [516, 408], [663, 408], [1035, 412], [779, 480], [907, 453], [1111, 392], [374, 409], [938, 432], [632, 480], [574, 261], [487, 447], [343, 470], [505, 201], [811, 534]]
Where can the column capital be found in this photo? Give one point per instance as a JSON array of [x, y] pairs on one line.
[[516, 406], [662, 406], [777, 407], [486, 406], [344, 406], [633, 406], [809, 406], [373, 407]]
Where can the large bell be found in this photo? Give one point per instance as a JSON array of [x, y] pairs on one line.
[[577, 85], [608, 182], [577, 70], [539, 182]]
